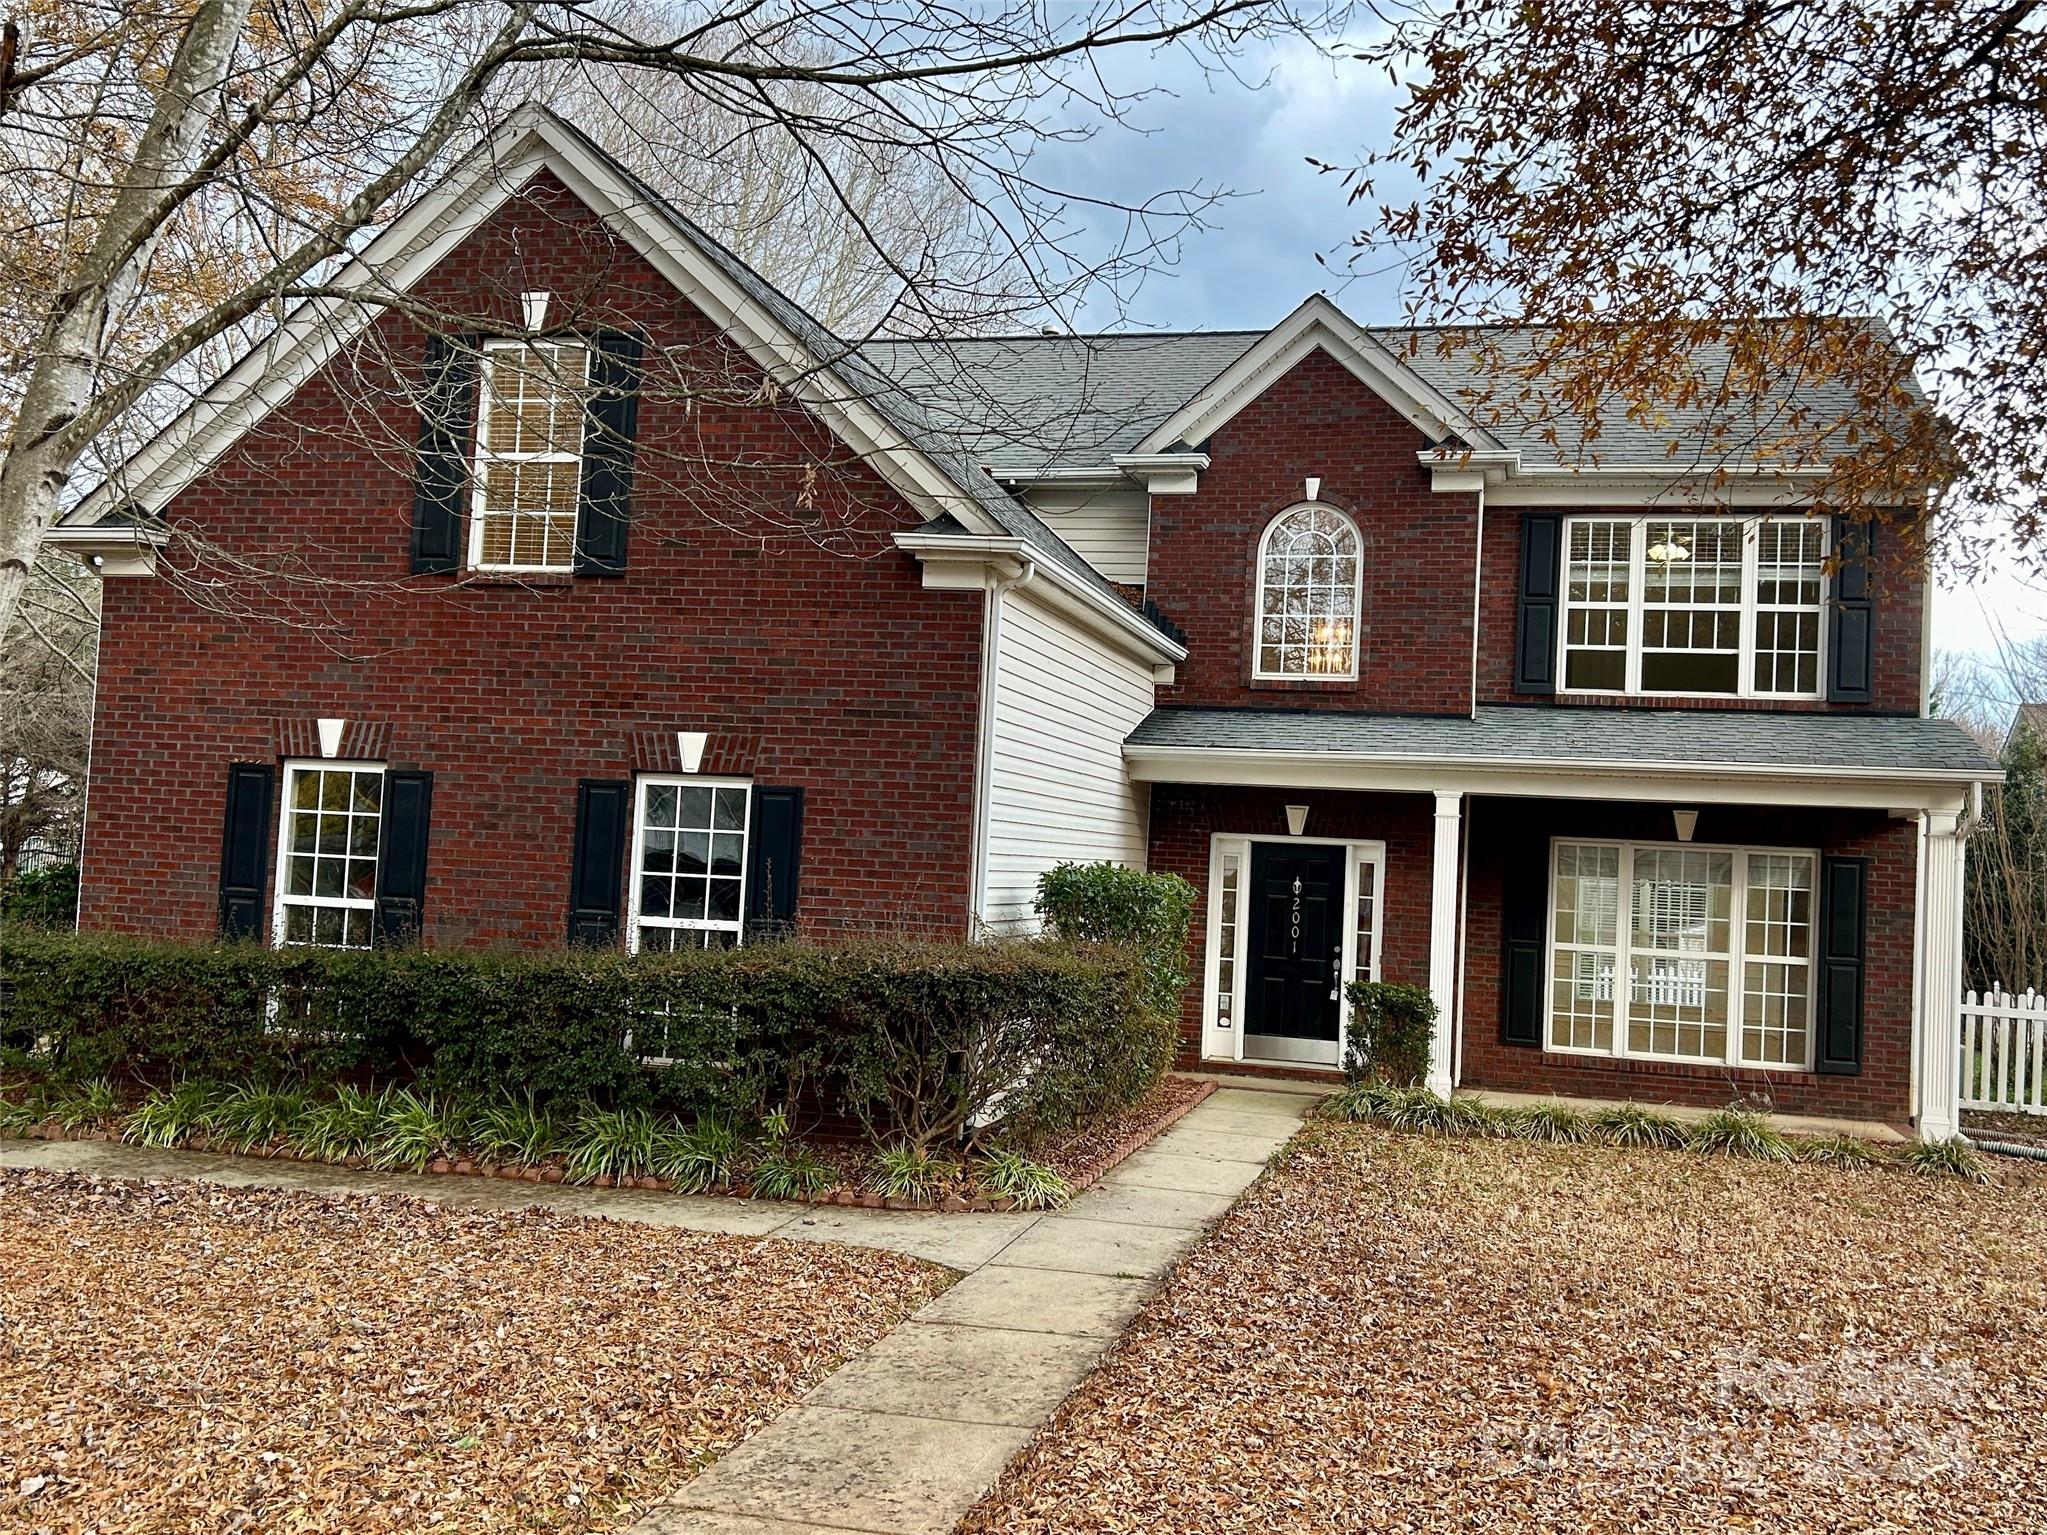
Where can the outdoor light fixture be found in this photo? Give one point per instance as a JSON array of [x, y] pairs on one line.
[[1296, 820], [1687, 823]]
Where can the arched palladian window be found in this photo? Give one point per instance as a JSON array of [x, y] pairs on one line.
[[1308, 595]]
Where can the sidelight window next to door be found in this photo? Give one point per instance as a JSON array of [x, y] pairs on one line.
[[1291, 922]]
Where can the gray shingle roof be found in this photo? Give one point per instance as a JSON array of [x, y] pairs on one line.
[[1567, 736], [868, 383], [1021, 404]]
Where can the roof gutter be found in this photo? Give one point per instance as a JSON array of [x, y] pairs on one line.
[[117, 549], [1135, 750], [956, 561]]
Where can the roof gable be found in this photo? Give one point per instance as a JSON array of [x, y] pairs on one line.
[[1317, 325], [860, 405]]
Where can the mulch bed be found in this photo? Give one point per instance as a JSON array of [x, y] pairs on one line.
[[181, 1358], [1082, 1158], [1418, 1335], [2027, 1129]]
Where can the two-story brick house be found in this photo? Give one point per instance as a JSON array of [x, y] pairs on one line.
[[1628, 765]]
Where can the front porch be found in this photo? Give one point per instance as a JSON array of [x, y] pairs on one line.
[[1662, 932]]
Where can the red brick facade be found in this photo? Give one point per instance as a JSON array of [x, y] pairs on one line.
[[1414, 630], [835, 671], [1184, 818]]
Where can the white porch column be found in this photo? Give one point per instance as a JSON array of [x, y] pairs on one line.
[[1443, 941], [1937, 1065]]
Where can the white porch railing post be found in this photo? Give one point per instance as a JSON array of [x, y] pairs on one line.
[[1443, 941], [1939, 1065]]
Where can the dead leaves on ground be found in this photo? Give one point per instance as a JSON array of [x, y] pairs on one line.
[[1412, 1335], [182, 1358]]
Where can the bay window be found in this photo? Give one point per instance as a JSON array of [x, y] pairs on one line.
[[689, 864], [1680, 953], [1702, 606], [328, 839]]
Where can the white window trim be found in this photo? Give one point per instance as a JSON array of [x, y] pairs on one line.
[[483, 457], [1638, 559], [1222, 1041], [1357, 599], [1737, 956], [642, 784], [279, 901]]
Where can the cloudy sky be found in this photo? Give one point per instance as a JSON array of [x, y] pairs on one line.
[[1258, 258]]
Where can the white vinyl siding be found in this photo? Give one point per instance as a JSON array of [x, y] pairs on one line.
[[1057, 787], [1108, 527]]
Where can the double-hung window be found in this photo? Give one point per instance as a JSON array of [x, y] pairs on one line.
[[1702, 606], [529, 455], [328, 839], [689, 864], [1682, 953]]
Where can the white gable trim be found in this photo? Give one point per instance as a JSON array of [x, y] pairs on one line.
[[1316, 324], [482, 182]]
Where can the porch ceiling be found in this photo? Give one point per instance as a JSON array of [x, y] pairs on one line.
[[1713, 755]]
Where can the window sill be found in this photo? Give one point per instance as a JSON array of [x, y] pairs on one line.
[[1665, 1066], [516, 578], [1302, 684], [1692, 700]]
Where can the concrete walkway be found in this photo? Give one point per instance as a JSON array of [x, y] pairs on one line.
[[902, 1440]]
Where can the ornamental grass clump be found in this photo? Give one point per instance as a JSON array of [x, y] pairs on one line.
[[85, 1105], [1026, 1184], [704, 1156], [910, 1172], [791, 1172], [168, 1119], [414, 1129], [254, 1115], [1944, 1159], [609, 1143], [1739, 1133], [1837, 1151], [1555, 1123], [1630, 1124], [23, 1108], [515, 1132], [342, 1127]]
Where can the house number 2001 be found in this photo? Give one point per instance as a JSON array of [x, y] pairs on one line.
[[1294, 918]]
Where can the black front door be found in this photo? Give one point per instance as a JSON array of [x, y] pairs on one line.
[[1297, 906]]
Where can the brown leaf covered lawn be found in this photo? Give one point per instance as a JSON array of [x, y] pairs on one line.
[[181, 1358], [1402, 1334]]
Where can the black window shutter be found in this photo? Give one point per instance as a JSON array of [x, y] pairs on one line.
[[774, 859], [1524, 900], [1851, 638], [606, 505], [401, 860], [447, 421], [1535, 621], [602, 809], [1844, 926], [245, 848]]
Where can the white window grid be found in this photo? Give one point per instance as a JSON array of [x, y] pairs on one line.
[[329, 835], [1675, 955], [1308, 596], [529, 455], [1753, 590], [689, 863]]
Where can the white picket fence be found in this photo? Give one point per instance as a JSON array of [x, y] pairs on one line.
[[2004, 1052]]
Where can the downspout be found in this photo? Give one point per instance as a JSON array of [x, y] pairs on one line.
[[998, 588], [1477, 580]]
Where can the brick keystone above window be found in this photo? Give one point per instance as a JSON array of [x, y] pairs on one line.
[[361, 740], [727, 752]]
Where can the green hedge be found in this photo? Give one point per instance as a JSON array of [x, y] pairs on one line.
[[1107, 903], [923, 1043], [1391, 1027]]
